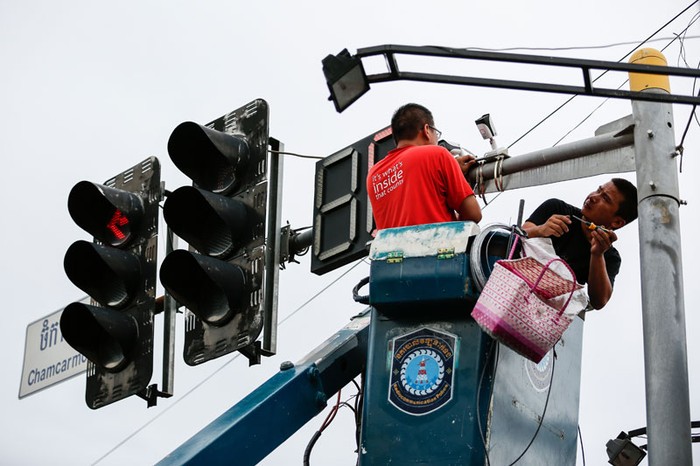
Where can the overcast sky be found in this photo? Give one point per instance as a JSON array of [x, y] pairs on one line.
[[90, 88]]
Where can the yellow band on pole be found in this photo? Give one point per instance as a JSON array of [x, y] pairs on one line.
[[643, 81]]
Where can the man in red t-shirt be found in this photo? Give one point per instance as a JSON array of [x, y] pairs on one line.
[[419, 182]]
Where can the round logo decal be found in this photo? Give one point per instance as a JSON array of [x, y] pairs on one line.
[[421, 372]]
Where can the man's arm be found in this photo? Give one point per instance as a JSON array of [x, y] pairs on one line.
[[556, 225], [599, 286], [455, 172], [469, 209]]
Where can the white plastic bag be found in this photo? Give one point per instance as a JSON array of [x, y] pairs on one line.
[[542, 250]]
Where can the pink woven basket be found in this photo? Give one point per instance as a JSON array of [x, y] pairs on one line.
[[514, 306]]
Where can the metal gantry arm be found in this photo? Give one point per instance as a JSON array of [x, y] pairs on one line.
[[347, 80], [611, 150], [390, 53]]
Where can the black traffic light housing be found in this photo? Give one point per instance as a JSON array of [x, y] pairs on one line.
[[118, 271], [226, 277]]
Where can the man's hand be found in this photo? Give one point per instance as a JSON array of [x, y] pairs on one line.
[[601, 241], [466, 162], [599, 286], [556, 225]]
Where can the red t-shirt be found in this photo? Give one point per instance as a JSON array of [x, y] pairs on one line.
[[415, 185]]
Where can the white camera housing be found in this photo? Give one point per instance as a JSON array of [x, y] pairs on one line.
[[486, 126]]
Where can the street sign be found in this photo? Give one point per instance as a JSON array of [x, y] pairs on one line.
[[48, 358]]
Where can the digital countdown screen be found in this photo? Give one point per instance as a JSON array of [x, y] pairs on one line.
[[343, 222]]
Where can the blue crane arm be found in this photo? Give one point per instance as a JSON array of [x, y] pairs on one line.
[[289, 399]]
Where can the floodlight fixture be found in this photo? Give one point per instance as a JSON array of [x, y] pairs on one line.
[[622, 452], [346, 79]]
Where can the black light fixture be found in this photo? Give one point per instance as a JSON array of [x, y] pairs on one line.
[[622, 452], [346, 79]]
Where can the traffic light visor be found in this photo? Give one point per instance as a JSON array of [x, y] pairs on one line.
[[105, 337], [110, 276], [214, 225], [215, 291], [214, 160]]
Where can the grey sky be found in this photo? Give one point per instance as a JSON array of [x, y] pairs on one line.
[[91, 88]]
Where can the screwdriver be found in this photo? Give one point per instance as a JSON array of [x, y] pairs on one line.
[[591, 225]]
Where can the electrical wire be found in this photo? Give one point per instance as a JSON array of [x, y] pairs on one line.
[[329, 419], [478, 260], [685, 133], [359, 401], [605, 72], [642, 433], [681, 36], [487, 362], [215, 372], [544, 411], [326, 422], [681, 56], [478, 401], [294, 154], [693, 115], [580, 439], [580, 47]]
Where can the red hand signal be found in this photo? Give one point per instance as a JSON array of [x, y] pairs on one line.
[[118, 220]]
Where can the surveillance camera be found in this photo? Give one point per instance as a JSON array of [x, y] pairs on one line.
[[486, 126]]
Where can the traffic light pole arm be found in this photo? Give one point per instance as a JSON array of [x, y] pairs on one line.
[[394, 74], [619, 140], [300, 241]]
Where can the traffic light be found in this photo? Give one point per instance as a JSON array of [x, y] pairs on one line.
[[343, 222], [226, 279], [118, 271]]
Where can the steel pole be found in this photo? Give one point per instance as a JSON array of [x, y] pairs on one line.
[[169, 319], [663, 311], [272, 247], [538, 167]]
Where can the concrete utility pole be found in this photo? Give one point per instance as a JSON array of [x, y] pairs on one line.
[[661, 266]]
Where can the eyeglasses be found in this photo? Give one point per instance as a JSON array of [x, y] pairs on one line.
[[437, 132]]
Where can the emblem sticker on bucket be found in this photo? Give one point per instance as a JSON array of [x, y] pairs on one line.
[[422, 370]]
